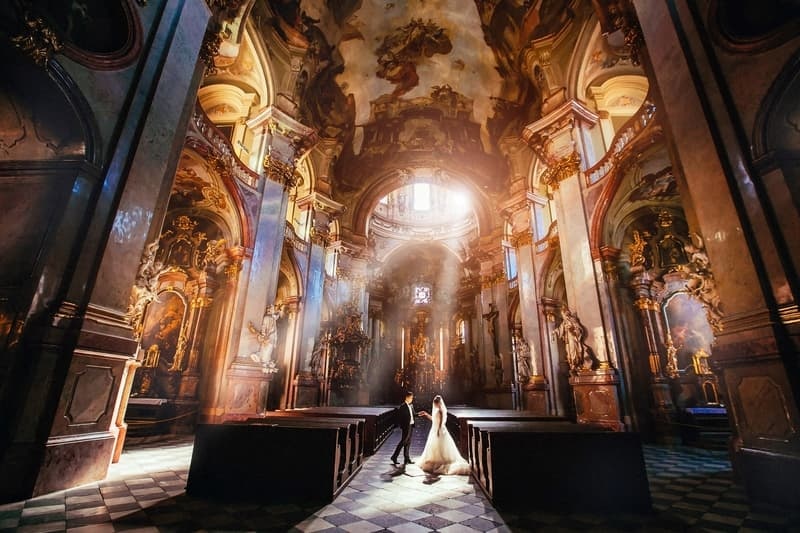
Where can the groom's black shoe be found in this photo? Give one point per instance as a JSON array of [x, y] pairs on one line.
[[394, 461], [409, 462]]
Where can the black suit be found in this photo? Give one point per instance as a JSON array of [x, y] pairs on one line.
[[405, 421]]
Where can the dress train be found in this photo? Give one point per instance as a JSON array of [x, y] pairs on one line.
[[440, 455]]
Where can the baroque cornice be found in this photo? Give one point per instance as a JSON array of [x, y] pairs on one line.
[[320, 202], [540, 135]]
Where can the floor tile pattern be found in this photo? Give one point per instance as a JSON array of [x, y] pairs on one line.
[[692, 490]]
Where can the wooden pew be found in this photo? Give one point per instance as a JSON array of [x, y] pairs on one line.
[[479, 441], [352, 440], [561, 466], [458, 418], [378, 421], [265, 463]]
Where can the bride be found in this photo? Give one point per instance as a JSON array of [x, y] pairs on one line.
[[441, 455]]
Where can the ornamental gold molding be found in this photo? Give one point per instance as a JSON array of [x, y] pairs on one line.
[[201, 301], [232, 270], [487, 282], [209, 49], [280, 171], [144, 289], [37, 39], [524, 238], [564, 168], [646, 304], [623, 17]]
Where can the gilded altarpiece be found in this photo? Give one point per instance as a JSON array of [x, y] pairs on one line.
[[186, 265], [675, 294]]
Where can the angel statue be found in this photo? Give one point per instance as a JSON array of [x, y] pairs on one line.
[[696, 251], [267, 336]]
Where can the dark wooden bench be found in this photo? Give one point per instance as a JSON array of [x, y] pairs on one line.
[[378, 421], [478, 441], [560, 466], [265, 463], [352, 440], [458, 417]]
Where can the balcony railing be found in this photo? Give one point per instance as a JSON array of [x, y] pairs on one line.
[[219, 149], [629, 131]]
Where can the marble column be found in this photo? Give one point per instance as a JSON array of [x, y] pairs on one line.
[[285, 140], [321, 212], [558, 141], [62, 408], [728, 202], [497, 355], [535, 386]]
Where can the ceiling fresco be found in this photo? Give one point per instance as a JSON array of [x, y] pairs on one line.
[[366, 51], [405, 49]]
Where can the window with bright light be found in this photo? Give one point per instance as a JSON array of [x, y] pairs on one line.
[[422, 197], [422, 294], [461, 331]]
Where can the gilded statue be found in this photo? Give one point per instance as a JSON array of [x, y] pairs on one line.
[[700, 362], [637, 252], [151, 356], [180, 352], [421, 345]]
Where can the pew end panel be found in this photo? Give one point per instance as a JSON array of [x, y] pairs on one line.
[[586, 471], [265, 463]]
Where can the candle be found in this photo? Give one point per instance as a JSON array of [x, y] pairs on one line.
[[402, 347], [441, 348]]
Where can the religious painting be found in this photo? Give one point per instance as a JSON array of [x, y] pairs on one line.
[[407, 46], [162, 329], [688, 325]]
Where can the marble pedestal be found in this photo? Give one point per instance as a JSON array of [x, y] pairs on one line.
[[596, 395]]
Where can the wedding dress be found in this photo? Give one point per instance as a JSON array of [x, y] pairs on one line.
[[441, 455]]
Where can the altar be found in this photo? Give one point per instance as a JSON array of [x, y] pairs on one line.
[[421, 371]]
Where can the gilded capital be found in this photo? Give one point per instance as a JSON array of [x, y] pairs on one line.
[[524, 238], [280, 171], [562, 169]]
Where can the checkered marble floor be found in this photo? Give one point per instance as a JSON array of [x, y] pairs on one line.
[[692, 490]]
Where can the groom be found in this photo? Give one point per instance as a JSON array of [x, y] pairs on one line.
[[405, 419]]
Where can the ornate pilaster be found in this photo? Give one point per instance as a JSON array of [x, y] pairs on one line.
[[321, 211], [284, 140], [528, 357], [556, 139]]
